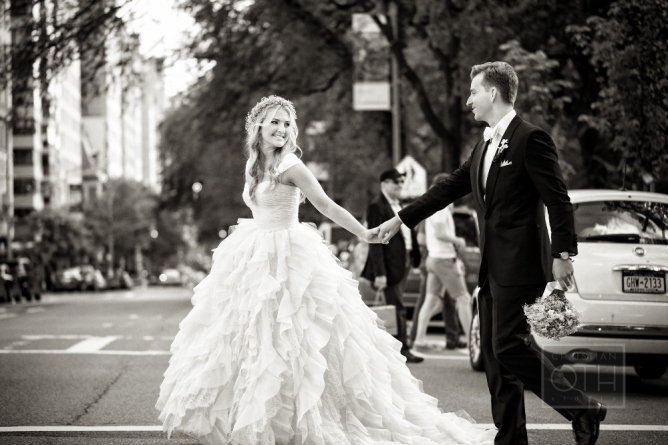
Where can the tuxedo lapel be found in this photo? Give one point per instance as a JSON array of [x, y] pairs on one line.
[[494, 169], [479, 153]]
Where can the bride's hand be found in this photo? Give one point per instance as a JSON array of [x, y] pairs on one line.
[[371, 236]]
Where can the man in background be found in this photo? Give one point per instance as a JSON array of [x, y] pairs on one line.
[[387, 265]]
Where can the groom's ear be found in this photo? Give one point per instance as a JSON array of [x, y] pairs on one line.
[[493, 92]]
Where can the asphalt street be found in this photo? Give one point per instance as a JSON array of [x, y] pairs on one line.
[[85, 368]]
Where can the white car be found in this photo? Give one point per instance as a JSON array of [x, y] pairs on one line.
[[620, 284]]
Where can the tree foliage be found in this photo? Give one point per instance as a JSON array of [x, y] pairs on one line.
[[52, 34], [65, 239], [124, 213], [266, 48], [628, 47], [303, 49]]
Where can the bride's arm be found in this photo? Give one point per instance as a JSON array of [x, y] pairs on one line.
[[300, 176]]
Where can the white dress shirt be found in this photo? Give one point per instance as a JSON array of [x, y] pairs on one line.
[[497, 134], [444, 222]]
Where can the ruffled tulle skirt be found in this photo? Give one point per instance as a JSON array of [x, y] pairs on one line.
[[280, 348]]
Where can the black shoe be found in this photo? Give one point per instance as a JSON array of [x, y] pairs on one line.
[[410, 358], [587, 425], [455, 345]]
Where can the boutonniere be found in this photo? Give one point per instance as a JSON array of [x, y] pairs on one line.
[[499, 151]]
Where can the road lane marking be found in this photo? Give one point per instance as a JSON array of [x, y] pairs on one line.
[[56, 337], [85, 336], [67, 351], [566, 426], [440, 357], [92, 344], [3, 316], [34, 310], [145, 428], [57, 429]]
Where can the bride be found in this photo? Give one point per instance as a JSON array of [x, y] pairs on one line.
[[279, 346]]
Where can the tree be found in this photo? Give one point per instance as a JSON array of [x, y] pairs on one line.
[[65, 240], [122, 218], [272, 47], [268, 47], [54, 33], [629, 51]]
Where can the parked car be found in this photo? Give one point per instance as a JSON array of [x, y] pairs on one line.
[[84, 277], [120, 279], [620, 284], [92, 278], [67, 279], [171, 277]]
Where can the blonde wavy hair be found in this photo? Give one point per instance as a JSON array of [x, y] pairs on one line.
[[264, 111]]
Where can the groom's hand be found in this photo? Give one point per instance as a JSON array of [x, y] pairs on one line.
[[388, 229], [563, 273], [371, 236]]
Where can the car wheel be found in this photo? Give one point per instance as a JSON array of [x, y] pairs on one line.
[[650, 371], [475, 350]]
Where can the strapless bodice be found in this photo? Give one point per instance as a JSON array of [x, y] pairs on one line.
[[274, 208]]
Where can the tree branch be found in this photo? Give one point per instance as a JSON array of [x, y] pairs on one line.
[[412, 77]]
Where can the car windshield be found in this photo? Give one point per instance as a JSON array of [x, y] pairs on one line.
[[638, 222]]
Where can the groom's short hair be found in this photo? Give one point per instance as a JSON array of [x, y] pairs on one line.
[[500, 75]]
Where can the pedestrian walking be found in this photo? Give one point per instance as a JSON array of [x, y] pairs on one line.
[[445, 279]]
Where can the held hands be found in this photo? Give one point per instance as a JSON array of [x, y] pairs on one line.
[[388, 229], [563, 273], [371, 236]]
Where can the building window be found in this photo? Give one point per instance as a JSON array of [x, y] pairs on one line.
[[24, 186], [23, 156], [22, 213], [24, 125], [46, 164]]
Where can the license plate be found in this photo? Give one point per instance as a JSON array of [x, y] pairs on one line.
[[643, 282]]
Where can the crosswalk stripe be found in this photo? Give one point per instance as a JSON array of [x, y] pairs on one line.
[[148, 428], [92, 344], [67, 351]]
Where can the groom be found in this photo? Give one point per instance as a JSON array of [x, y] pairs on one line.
[[511, 173]]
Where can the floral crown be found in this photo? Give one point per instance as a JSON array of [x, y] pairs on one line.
[[264, 103]]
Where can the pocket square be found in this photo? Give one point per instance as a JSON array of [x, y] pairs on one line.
[[506, 163]]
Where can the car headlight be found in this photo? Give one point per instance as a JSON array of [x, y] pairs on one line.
[[163, 277]]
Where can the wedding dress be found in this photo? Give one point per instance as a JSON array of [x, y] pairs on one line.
[[280, 348]]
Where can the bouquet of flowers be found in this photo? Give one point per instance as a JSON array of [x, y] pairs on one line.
[[552, 316]]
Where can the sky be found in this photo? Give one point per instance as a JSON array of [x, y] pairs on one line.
[[163, 31]]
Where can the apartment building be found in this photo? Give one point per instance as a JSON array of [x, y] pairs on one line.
[[153, 108], [62, 160], [6, 146], [26, 116]]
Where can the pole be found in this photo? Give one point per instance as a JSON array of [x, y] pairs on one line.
[[396, 108]]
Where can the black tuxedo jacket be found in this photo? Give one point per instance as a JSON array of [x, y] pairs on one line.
[[388, 259], [514, 239]]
